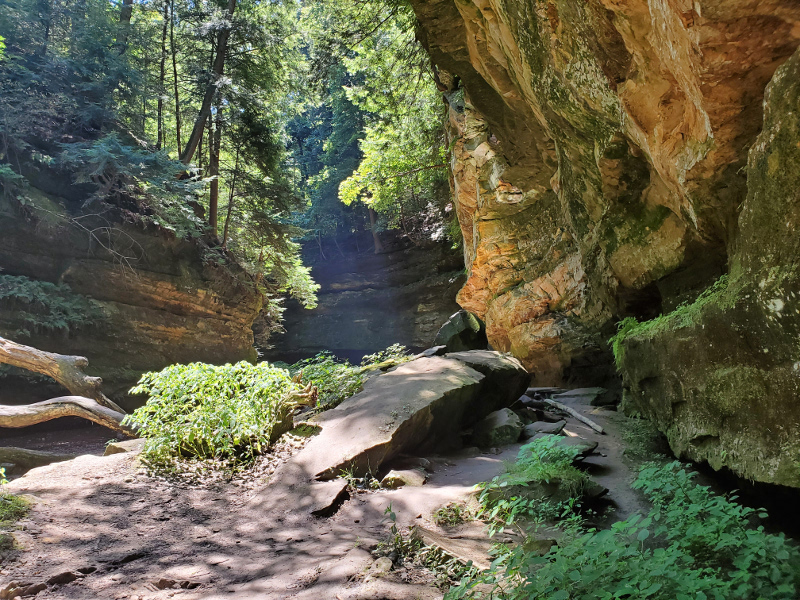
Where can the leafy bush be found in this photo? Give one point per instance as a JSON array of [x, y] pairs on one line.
[[210, 411], [44, 307], [396, 353], [693, 545], [335, 381], [541, 461]]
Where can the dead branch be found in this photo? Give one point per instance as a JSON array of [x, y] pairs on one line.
[[66, 370], [64, 406]]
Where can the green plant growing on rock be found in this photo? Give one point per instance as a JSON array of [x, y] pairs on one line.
[[12, 509], [683, 316], [692, 545], [212, 411], [338, 380], [517, 494]]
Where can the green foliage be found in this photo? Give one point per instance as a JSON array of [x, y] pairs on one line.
[[335, 380], [210, 411], [43, 307], [12, 508], [541, 461], [338, 380], [692, 545], [684, 316], [396, 353]]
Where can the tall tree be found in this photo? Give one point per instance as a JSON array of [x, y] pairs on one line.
[[216, 74]]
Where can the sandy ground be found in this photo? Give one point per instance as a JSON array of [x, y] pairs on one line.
[[101, 528]]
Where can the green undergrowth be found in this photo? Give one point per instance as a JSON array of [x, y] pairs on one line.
[[233, 412], [210, 411], [684, 315], [408, 547], [12, 509], [336, 380], [515, 494], [692, 545], [39, 307]]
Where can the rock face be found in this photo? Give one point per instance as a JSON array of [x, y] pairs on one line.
[[462, 331], [721, 377], [597, 158], [598, 166], [369, 301], [138, 297]]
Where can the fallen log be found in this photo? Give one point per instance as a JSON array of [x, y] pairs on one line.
[[66, 370], [574, 413], [64, 406]]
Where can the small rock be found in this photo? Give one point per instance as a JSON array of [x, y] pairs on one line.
[[12, 590], [165, 584], [61, 578], [34, 589], [380, 567], [126, 446], [435, 351], [498, 429], [596, 396], [544, 391], [543, 427], [398, 479], [462, 331]]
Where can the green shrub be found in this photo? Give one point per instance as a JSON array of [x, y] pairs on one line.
[[542, 461], [210, 411], [693, 545], [335, 381], [338, 380]]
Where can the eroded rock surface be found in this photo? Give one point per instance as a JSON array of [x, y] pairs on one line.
[[597, 157], [721, 377], [156, 299], [598, 166]]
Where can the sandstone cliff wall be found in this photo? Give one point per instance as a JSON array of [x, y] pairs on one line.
[[599, 162], [155, 298]]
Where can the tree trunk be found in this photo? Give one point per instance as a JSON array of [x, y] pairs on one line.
[[216, 73], [162, 77], [173, 51], [23, 460], [64, 406], [125, 15], [66, 370], [213, 171], [231, 196], [372, 219]]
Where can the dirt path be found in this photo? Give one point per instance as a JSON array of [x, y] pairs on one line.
[[101, 528], [126, 534]]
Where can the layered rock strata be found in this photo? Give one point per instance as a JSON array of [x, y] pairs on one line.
[[158, 299], [369, 301], [599, 154]]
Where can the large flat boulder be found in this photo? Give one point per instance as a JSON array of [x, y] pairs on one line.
[[419, 406]]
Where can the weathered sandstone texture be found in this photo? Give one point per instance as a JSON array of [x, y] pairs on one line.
[[153, 298], [599, 167]]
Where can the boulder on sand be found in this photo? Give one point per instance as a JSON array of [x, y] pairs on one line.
[[500, 428], [462, 331]]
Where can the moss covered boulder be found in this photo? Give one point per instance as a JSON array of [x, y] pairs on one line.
[[721, 376]]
